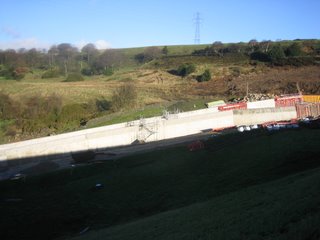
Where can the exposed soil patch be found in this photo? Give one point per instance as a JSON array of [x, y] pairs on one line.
[[271, 80]]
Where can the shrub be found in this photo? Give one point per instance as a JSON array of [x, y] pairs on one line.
[[9, 109], [259, 56], [108, 72], [102, 105], [5, 73], [13, 73], [276, 53], [87, 72], [74, 77], [165, 50], [296, 61], [140, 58], [208, 51], [19, 73], [148, 54], [72, 116], [40, 113], [124, 97], [294, 50], [186, 69], [206, 76], [51, 73]]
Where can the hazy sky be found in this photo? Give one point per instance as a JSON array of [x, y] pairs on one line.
[[134, 23]]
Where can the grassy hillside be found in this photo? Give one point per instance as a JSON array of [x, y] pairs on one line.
[[156, 80], [260, 212], [255, 185], [173, 50]]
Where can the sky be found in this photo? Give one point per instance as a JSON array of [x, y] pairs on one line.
[[136, 23]]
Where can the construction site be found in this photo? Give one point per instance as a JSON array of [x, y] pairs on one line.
[[129, 137]]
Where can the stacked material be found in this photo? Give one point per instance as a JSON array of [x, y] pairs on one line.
[[288, 100], [308, 110], [215, 103], [258, 97], [311, 98]]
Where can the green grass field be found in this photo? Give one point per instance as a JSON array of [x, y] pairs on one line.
[[255, 185]]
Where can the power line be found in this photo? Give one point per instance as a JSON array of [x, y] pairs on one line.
[[197, 21]]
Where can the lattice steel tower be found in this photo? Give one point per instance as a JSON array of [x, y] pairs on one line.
[[197, 21]]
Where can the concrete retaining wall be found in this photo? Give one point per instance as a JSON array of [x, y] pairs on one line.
[[196, 124], [258, 116], [269, 103], [148, 130]]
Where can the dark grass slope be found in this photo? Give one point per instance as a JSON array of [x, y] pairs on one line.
[[283, 209], [234, 176]]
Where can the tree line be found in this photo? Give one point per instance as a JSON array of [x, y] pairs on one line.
[[58, 60], [63, 59], [297, 52]]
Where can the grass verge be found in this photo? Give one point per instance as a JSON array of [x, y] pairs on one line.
[[205, 193]]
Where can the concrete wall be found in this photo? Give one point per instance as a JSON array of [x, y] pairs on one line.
[[152, 129], [196, 124], [269, 103], [258, 116]]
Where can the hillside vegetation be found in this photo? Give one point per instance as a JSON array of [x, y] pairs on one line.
[[65, 89], [255, 185]]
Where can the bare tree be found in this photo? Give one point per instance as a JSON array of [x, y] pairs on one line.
[[110, 58], [66, 54], [252, 44], [90, 51], [217, 48], [152, 53], [265, 45], [53, 52], [10, 57], [148, 54]]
